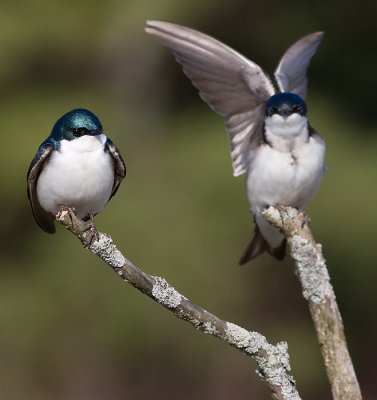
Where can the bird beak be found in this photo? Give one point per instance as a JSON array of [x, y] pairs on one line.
[[285, 111]]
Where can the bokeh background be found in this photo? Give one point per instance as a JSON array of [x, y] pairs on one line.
[[69, 329]]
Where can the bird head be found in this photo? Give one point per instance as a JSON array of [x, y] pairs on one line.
[[285, 104], [75, 124]]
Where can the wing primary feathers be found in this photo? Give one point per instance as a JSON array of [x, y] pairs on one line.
[[119, 165], [233, 86], [291, 71], [44, 219]]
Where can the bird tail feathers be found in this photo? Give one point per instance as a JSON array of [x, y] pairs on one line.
[[259, 245]]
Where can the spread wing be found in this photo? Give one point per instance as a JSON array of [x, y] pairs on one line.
[[291, 71], [233, 86], [119, 165], [44, 219]]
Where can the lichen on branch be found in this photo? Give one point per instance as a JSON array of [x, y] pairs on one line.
[[272, 360]]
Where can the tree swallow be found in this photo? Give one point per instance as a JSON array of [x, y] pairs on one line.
[[270, 137], [76, 168]]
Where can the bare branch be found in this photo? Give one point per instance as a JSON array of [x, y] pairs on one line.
[[318, 291], [272, 361]]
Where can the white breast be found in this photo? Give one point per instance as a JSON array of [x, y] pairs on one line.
[[79, 175], [285, 177], [287, 170]]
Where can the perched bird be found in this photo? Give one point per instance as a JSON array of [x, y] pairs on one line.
[[76, 168], [270, 137]]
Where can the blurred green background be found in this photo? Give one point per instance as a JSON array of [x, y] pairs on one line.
[[69, 329]]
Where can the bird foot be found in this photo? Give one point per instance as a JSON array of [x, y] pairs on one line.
[[280, 207], [89, 230], [305, 218], [71, 212]]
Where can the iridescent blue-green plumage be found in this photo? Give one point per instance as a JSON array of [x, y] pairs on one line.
[[74, 122], [72, 125]]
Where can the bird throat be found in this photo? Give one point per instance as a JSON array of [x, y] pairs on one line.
[[285, 136]]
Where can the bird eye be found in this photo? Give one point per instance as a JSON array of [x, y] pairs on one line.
[[78, 132], [296, 109], [274, 110]]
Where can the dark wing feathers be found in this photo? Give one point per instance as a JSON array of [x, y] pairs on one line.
[[44, 219], [259, 245], [119, 165]]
